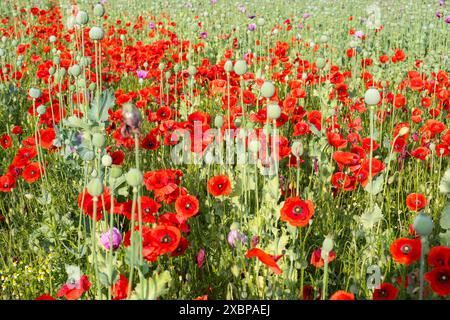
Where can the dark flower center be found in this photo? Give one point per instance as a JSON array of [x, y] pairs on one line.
[[220, 186], [383, 293], [5, 185], [443, 278], [187, 206], [406, 249], [166, 239], [298, 210], [147, 210]]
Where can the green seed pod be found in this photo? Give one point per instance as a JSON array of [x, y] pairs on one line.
[[161, 66], [218, 121], [323, 39], [52, 39], [134, 177], [192, 70], [240, 67], [41, 109], [82, 18], [99, 10], [95, 187], [177, 68], [372, 97], [260, 22], [254, 146], [321, 62], [237, 122], [74, 122], [273, 111], [98, 140], [2, 52], [34, 93], [167, 75], [228, 66], [96, 33], [327, 246], [115, 172], [51, 71], [92, 86], [81, 83], [297, 148], [267, 89], [145, 65], [106, 160], [423, 224], [88, 155], [57, 60], [250, 125], [75, 70]]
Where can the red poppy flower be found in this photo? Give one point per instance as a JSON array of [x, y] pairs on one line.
[[182, 247], [406, 251], [308, 293], [23, 156], [265, 258], [342, 295], [164, 239], [346, 158], [416, 201], [297, 212], [7, 183], [47, 137], [16, 130], [219, 186], [386, 291], [439, 256], [119, 290], [74, 291], [186, 206], [148, 206], [150, 142], [88, 203], [439, 279], [6, 141], [32, 172], [317, 260], [45, 297]]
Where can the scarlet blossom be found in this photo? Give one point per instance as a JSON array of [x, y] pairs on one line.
[[173, 219], [219, 186], [162, 182], [182, 247], [203, 297], [45, 297], [16, 130], [86, 201], [74, 291], [163, 239], [186, 206], [119, 290], [439, 280], [150, 142], [32, 172], [421, 153], [386, 291], [317, 260], [416, 201], [7, 183], [267, 259], [47, 137], [149, 208], [342, 295], [346, 158], [297, 212], [5, 141], [439, 256], [406, 251]]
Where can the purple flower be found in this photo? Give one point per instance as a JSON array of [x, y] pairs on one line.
[[251, 16], [415, 136], [189, 5], [203, 34], [201, 257], [103, 1], [251, 27], [152, 25], [300, 26], [439, 14], [359, 34], [213, 1], [447, 20], [441, 2], [116, 239], [141, 74], [235, 236], [242, 8], [306, 15], [255, 241]]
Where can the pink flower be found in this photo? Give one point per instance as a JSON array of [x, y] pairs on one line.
[[201, 257]]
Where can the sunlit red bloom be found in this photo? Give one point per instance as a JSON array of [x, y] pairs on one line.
[[87, 203], [416, 201], [16, 130], [149, 208], [74, 291], [32, 172], [297, 212], [406, 251], [164, 239], [203, 297], [219, 186], [7, 183], [5, 141], [439, 280], [265, 258], [346, 158], [317, 260], [119, 290], [439, 256], [47, 137], [45, 297], [342, 295], [386, 291], [186, 206]]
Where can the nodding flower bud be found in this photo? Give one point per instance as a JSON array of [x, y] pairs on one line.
[[132, 120]]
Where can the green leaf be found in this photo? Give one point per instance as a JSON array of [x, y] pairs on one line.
[[376, 186], [99, 107], [152, 288], [445, 217], [371, 217], [444, 187]]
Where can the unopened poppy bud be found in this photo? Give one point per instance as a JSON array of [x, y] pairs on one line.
[[323, 39], [372, 97], [96, 33], [95, 187], [98, 139], [106, 160], [423, 225], [134, 177], [240, 67], [267, 89], [403, 131]]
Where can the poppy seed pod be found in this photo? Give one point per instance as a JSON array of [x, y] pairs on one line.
[[132, 119], [99, 10], [254, 146], [267, 89], [95, 187], [2, 52], [134, 177], [91, 85], [41, 109], [96, 33], [176, 68], [261, 22], [35, 93], [82, 18], [423, 224], [106, 160], [115, 172], [320, 63], [372, 97], [192, 70], [228, 66], [52, 39], [297, 148], [323, 39], [75, 70], [161, 66], [98, 139], [327, 246], [88, 156], [218, 121], [240, 67], [273, 111]]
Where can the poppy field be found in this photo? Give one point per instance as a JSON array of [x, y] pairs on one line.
[[224, 150]]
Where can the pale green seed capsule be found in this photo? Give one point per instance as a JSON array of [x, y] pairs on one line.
[[96, 33], [134, 177], [106, 160], [240, 67], [218, 121], [98, 140], [320, 63], [41, 109], [34, 93], [423, 224], [192, 70], [95, 187], [267, 89], [115, 172], [99, 10], [82, 18], [273, 111], [228, 66], [372, 97]]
